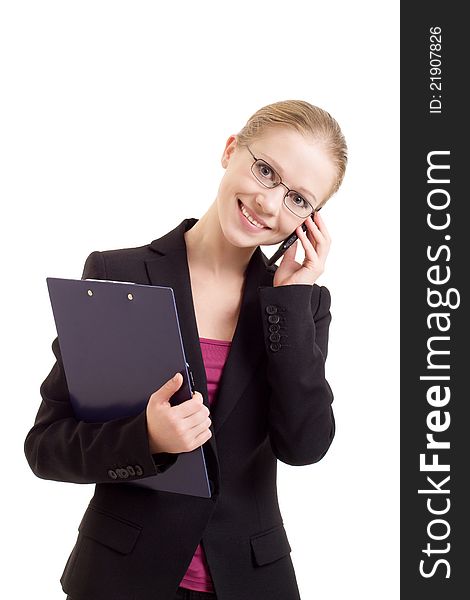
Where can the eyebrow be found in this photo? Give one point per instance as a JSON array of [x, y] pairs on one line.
[[301, 189]]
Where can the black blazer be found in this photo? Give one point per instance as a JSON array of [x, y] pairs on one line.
[[273, 402]]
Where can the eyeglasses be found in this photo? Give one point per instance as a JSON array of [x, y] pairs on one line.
[[270, 178]]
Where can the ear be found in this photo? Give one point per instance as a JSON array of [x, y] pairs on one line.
[[230, 147]]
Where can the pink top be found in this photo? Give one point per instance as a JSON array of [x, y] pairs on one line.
[[214, 354]]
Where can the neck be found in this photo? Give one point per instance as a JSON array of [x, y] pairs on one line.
[[210, 252]]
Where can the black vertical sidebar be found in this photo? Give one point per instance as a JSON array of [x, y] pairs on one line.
[[434, 332]]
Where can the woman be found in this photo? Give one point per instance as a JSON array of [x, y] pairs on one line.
[[256, 338]]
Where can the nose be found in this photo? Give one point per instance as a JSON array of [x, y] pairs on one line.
[[270, 201]]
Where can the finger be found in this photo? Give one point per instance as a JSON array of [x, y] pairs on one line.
[[316, 236], [189, 407], [309, 247], [320, 223], [321, 242], [312, 235]]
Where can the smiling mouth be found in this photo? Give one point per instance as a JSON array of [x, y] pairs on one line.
[[248, 217]]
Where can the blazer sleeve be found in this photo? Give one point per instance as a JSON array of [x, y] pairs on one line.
[[296, 320], [62, 448]]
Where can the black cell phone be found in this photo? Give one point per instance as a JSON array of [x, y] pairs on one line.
[[287, 243]]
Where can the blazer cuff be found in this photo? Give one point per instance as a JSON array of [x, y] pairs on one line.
[[284, 310]]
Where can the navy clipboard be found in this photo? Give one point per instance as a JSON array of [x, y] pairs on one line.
[[120, 342]]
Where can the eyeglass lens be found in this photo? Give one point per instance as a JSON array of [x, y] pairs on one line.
[[270, 179]]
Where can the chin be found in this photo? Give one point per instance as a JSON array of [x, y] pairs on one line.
[[241, 242], [236, 238]]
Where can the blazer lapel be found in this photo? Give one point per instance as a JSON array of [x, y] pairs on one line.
[[170, 268]]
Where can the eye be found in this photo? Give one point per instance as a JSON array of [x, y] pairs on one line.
[[299, 201], [265, 171]]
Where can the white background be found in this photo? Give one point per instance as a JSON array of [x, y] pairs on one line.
[[114, 116]]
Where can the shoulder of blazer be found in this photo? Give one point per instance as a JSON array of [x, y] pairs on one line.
[[123, 264], [118, 265]]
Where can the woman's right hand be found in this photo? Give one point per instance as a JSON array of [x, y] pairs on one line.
[[180, 428]]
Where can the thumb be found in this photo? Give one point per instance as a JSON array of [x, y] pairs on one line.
[[170, 387]]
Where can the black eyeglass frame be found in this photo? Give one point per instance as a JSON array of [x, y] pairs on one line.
[[314, 210]]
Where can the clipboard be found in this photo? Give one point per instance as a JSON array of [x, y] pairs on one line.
[[120, 342]]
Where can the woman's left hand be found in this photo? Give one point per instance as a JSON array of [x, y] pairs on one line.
[[316, 242]]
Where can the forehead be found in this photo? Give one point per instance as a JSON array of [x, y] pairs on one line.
[[302, 161]]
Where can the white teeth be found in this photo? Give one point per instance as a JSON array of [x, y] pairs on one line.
[[250, 218]]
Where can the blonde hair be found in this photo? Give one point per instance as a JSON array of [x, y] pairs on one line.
[[308, 120]]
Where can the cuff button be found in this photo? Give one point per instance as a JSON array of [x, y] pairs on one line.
[[275, 346], [271, 309]]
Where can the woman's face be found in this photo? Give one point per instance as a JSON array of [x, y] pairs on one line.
[[303, 166]]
